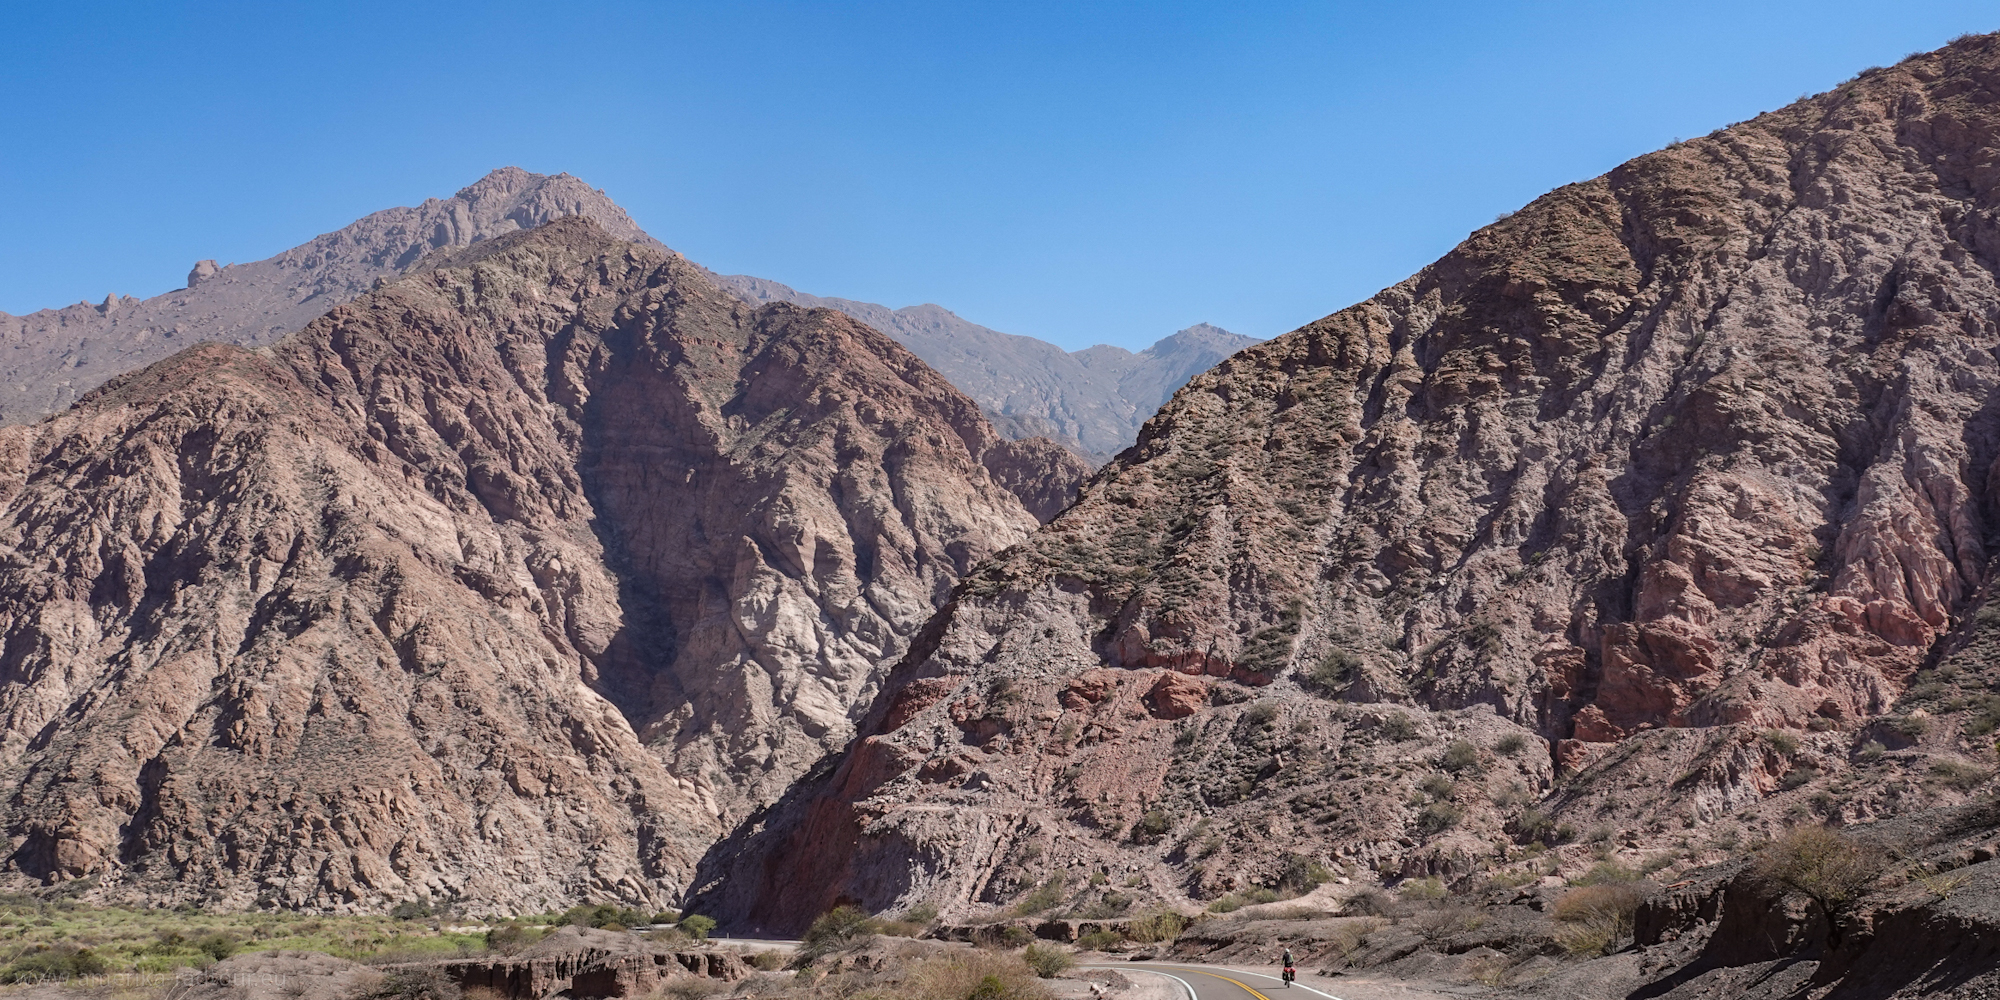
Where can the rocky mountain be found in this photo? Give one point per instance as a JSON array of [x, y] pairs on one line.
[[1636, 528], [515, 581], [1093, 400], [50, 358]]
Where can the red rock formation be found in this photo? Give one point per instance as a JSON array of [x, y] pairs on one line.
[[511, 582], [1709, 440]]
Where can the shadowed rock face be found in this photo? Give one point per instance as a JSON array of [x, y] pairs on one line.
[[54, 356], [515, 581], [1703, 444]]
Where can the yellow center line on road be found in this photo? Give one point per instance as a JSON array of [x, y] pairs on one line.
[[1252, 991]]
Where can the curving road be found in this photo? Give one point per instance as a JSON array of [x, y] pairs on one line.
[[1213, 982]]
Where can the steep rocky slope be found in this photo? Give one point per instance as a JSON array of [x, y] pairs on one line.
[[50, 358], [1093, 400], [514, 581], [1674, 480]]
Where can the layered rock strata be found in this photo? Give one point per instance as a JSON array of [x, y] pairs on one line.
[[1701, 447], [513, 582]]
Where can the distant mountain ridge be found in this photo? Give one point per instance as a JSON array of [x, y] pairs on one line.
[[51, 357], [1092, 401]]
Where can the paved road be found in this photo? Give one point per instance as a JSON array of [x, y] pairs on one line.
[[1214, 982]]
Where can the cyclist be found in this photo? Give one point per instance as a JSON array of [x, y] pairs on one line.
[[1289, 971]]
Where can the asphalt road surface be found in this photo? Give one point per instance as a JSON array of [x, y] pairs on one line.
[[1213, 982]]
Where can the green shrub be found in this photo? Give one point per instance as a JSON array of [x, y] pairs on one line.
[[1798, 777], [989, 988], [57, 963], [1302, 874], [509, 938], [1152, 826], [1399, 727], [1606, 873], [1511, 744], [1335, 671], [1098, 940], [411, 909], [216, 945], [1958, 774], [1785, 743], [1871, 751], [1263, 712], [1438, 817], [1041, 898], [834, 930], [1165, 925], [1535, 825], [1436, 786], [1422, 889], [1014, 936], [1047, 960], [1907, 726], [1461, 755], [698, 927], [767, 961], [602, 915]]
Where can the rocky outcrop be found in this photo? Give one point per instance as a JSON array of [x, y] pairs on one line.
[[1092, 400], [54, 356], [1701, 447], [513, 582]]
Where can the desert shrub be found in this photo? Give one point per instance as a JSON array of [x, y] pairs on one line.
[[1047, 960], [1371, 903], [1958, 774], [215, 945], [922, 913], [1109, 905], [1227, 904], [1593, 919], [1263, 712], [1421, 888], [58, 963], [1302, 874], [1014, 936], [1165, 925], [509, 939], [1438, 817], [411, 909], [602, 915], [1436, 786], [691, 989], [1461, 755], [1441, 923], [1260, 894], [767, 961], [1335, 671], [1041, 897], [1907, 726], [834, 930], [1152, 826], [1484, 637], [426, 982], [1511, 744], [1606, 873], [1098, 940], [1823, 865], [1535, 825], [696, 926], [1798, 777], [1399, 727], [1785, 743]]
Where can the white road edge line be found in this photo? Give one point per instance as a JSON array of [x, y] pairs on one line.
[[1184, 983]]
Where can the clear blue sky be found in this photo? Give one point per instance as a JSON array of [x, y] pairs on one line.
[[1080, 172]]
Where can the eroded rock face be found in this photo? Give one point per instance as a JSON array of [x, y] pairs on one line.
[[1708, 441], [513, 582]]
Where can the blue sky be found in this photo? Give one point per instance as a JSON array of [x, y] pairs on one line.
[[1085, 173]]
